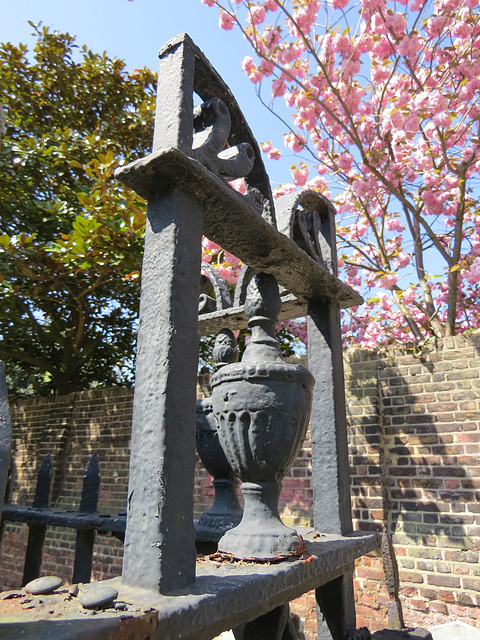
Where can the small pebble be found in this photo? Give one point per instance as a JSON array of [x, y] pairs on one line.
[[73, 589], [98, 597], [120, 606], [42, 586]]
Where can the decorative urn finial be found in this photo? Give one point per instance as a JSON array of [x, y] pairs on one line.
[[262, 408]]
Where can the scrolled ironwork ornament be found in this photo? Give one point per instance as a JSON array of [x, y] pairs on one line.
[[308, 218]]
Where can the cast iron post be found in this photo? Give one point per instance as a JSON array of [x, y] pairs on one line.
[[159, 539], [332, 510], [37, 532], [5, 435], [82, 566], [330, 471]]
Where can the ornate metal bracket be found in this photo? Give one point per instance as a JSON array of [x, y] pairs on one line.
[[308, 218]]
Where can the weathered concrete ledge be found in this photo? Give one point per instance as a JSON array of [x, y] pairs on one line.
[[224, 595]]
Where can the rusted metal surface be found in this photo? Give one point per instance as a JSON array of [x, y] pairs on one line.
[[199, 613]]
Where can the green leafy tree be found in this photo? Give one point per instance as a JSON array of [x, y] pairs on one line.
[[71, 237]]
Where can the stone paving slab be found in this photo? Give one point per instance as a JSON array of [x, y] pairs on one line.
[[455, 631]]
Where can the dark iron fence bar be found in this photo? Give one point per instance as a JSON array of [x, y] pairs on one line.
[[37, 531], [102, 523], [82, 568]]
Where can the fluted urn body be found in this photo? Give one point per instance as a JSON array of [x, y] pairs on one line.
[[262, 408], [225, 512]]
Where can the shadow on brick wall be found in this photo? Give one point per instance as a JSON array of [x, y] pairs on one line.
[[416, 467]]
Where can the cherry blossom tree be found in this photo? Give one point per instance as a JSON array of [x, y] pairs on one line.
[[382, 101]]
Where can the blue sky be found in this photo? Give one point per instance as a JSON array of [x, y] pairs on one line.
[[135, 31]]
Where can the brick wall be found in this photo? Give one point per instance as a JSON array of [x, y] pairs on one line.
[[415, 466]]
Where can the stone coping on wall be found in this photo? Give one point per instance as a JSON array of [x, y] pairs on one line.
[[224, 595]]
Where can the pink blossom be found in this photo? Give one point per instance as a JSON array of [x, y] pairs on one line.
[[462, 30], [209, 245], [257, 14], [358, 229], [396, 23], [345, 161], [383, 48], [409, 46], [300, 176], [231, 259], [362, 188], [409, 295], [273, 153], [442, 119], [385, 302], [377, 22], [270, 5], [288, 54], [342, 44], [436, 25], [283, 189], [373, 5], [209, 3], [473, 275], [226, 21], [289, 99], [350, 68], [247, 64], [412, 124], [272, 37], [266, 67], [379, 73], [402, 260], [421, 77], [436, 101], [239, 185], [295, 142], [224, 271], [397, 119], [318, 184], [278, 87], [393, 224], [388, 281], [304, 19]]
